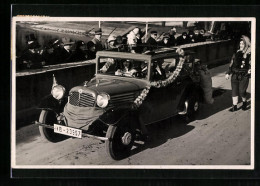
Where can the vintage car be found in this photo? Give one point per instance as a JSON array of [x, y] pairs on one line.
[[129, 92]]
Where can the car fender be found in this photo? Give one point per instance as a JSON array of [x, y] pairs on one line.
[[117, 115], [50, 103]]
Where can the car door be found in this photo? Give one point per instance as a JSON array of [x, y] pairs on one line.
[[162, 103]]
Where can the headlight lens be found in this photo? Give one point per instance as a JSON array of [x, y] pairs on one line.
[[58, 92], [102, 100]]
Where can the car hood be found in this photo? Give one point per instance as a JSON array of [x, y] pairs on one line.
[[112, 86]]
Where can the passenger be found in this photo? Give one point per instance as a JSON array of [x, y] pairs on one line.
[[119, 40], [158, 73], [120, 45], [91, 52], [48, 55], [172, 40], [138, 38], [127, 69], [152, 39], [32, 57], [110, 44], [183, 39], [97, 40], [240, 68], [165, 41], [132, 39], [79, 54], [191, 37], [141, 69], [139, 47]]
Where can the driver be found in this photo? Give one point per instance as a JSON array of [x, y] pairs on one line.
[[126, 70]]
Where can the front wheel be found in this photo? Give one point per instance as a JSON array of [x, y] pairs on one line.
[[49, 118], [120, 143]]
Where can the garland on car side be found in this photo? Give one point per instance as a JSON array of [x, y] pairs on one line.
[[158, 84]]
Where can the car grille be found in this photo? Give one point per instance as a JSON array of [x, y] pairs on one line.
[[81, 100], [122, 99]]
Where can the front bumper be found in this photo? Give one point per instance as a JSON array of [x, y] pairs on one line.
[[81, 117]]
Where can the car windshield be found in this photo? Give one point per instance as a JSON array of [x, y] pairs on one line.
[[123, 67]]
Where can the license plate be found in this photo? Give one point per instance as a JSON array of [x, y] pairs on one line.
[[77, 133]]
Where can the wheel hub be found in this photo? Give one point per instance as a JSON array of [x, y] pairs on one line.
[[126, 139], [196, 106]]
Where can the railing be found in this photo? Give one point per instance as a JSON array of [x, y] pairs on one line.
[[33, 84]]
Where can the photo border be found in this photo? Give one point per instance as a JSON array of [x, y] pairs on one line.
[[253, 42]]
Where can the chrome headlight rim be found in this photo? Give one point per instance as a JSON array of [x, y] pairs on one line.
[[58, 92], [102, 99]]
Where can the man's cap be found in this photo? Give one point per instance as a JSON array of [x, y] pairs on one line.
[[153, 32], [33, 44], [98, 31]]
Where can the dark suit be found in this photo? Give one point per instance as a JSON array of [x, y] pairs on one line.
[[98, 44]]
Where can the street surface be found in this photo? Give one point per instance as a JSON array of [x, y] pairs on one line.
[[216, 137]]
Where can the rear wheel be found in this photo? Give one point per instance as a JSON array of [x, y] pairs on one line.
[[193, 107], [120, 143], [49, 118]]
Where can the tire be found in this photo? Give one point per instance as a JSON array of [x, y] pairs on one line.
[[120, 143], [49, 117], [193, 107]]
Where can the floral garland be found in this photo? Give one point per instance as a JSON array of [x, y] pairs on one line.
[[158, 84]]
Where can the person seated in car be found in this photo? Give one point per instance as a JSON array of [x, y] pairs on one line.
[[141, 69], [158, 73], [127, 69]]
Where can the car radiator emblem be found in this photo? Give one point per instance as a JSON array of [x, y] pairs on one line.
[[80, 91]]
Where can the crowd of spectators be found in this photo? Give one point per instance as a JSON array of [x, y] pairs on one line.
[[63, 50]]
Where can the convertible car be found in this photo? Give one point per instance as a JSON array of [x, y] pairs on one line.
[[128, 92]]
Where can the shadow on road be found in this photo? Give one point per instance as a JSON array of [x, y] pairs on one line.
[[174, 127], [160, 132]]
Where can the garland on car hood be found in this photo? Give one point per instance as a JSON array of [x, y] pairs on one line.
[[158, 84]]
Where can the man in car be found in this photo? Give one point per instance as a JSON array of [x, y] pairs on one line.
[[158, 73], [127, 69], [152, 39]]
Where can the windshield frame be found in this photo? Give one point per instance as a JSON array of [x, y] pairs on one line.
[[124, 55]]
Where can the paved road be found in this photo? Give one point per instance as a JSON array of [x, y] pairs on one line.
[[216, 137]]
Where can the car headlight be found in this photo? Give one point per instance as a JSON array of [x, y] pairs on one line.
[[58, 92], [102, 100]]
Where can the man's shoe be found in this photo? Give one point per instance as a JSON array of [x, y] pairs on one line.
[[233, 108], [244, 105]]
